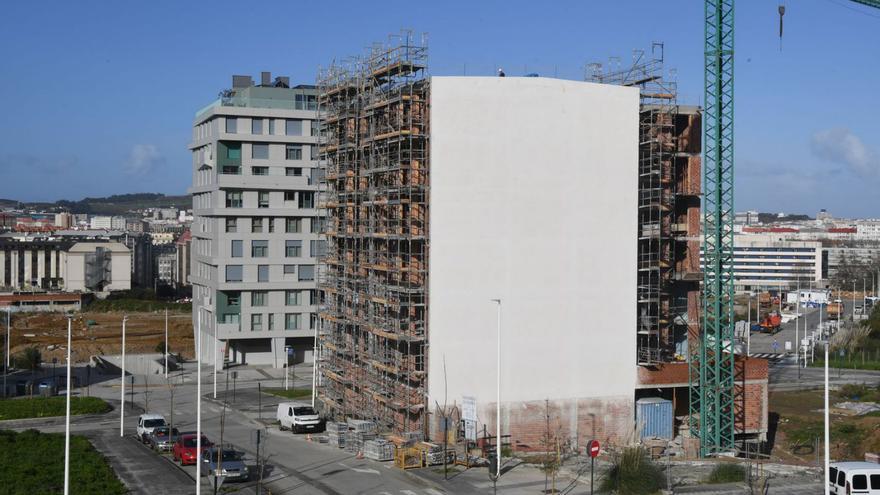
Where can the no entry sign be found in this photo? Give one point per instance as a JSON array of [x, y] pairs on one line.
[[593, 448]]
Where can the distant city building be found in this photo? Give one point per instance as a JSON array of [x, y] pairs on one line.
[[162, 238], [166, 264], [136, 225], [118, 223], [184, 259], [823, 216], [746, 218], [101, 222], [762, 262], [255, 221], [63, 262], [141, 247], [63, 220]]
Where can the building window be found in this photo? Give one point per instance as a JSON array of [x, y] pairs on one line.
[[271, 222], [235, 250], [233, 151], [293, 298], [231, 225], [263, 199], [259, 249], [259, 297], [256, 322], [306, 199], [289, 269], [293, 127], [316, 224], [316, 129], [271, 126], [292, 321], [313, 321], [293, 248], [256, 126], [259, 170], [233, 273], [233, 199], [262, 273], [289, 195], [317, 248], [260, 151], [313, 151], [271, 321], [293, 225], [306, 273], [256, 225], [231, 125], [293, 171], [294, 152]]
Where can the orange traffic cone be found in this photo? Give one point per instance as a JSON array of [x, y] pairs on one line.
[[360, 455]]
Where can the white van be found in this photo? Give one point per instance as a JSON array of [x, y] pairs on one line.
[[299, 418], [851, 478]]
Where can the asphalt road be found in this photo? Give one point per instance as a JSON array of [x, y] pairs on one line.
[[762, 343]]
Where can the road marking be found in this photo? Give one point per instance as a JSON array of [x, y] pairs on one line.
[[361, 470], [408, 492], [431, 491]]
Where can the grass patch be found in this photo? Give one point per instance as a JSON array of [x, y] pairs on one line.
[[727, 473], [847, 364], [633, 473], [298, 393], [32, 463], [41, 407]]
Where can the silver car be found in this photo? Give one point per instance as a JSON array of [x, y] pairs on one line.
[[162, 439], [231, 467]]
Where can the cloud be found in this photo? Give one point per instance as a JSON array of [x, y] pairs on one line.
[[143, 159], [842, 147]]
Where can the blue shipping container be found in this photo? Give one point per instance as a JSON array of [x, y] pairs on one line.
[[654, 417]]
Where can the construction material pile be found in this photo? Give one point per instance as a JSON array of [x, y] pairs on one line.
[[379, 450]]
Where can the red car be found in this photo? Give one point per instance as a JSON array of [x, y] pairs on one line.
[[184, 449]]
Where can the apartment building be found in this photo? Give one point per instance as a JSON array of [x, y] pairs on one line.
[[255, 231], [762, 262]]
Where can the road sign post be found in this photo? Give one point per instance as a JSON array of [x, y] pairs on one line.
[[593, 449]]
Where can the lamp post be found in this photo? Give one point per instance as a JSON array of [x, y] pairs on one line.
[[122, 382], [8, 334], [498, 400], [67, 416], [827, 415], [797, 323], [166, 344], [315, 365], [199, 403]]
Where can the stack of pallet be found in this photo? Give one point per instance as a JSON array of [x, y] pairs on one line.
[[359, 432], [379, 450], [336, 433], [432, 453]]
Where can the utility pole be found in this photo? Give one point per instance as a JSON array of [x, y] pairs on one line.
[[122, 382], [67, 416], [166, 343], [749, 328], [8, 334], [797, 322]]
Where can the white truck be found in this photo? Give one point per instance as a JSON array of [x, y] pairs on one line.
[[146, 423], [299, 418]]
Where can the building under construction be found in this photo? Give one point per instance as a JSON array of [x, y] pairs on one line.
[[374, 306], [560, 200]]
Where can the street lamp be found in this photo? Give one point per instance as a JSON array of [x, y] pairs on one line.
[[67, 415], [122, 381], [8, 315], [166, 344], [498, 400], [199, 403]]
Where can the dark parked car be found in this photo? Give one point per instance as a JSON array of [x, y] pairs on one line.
[[162, 438], [231, 467]]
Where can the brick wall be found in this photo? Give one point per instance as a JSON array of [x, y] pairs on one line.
[[609, 420]]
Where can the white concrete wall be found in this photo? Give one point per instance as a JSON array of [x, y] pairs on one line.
[[533, 200]]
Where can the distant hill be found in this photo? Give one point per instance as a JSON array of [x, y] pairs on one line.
[[116, 204], [774, 217]]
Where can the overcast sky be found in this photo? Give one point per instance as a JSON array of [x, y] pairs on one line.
[[100, 96]]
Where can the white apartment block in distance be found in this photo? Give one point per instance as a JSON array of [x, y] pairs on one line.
[[255, 232]]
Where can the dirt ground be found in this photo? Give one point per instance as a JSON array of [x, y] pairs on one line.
[[143, 332], [799, 420]]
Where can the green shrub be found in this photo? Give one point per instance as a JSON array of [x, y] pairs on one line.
[[633, 473], [727, 473], [41, 407], [33, 463], [29, 359]]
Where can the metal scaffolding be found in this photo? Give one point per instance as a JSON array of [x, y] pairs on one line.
[[373, 279], [665, 200]]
